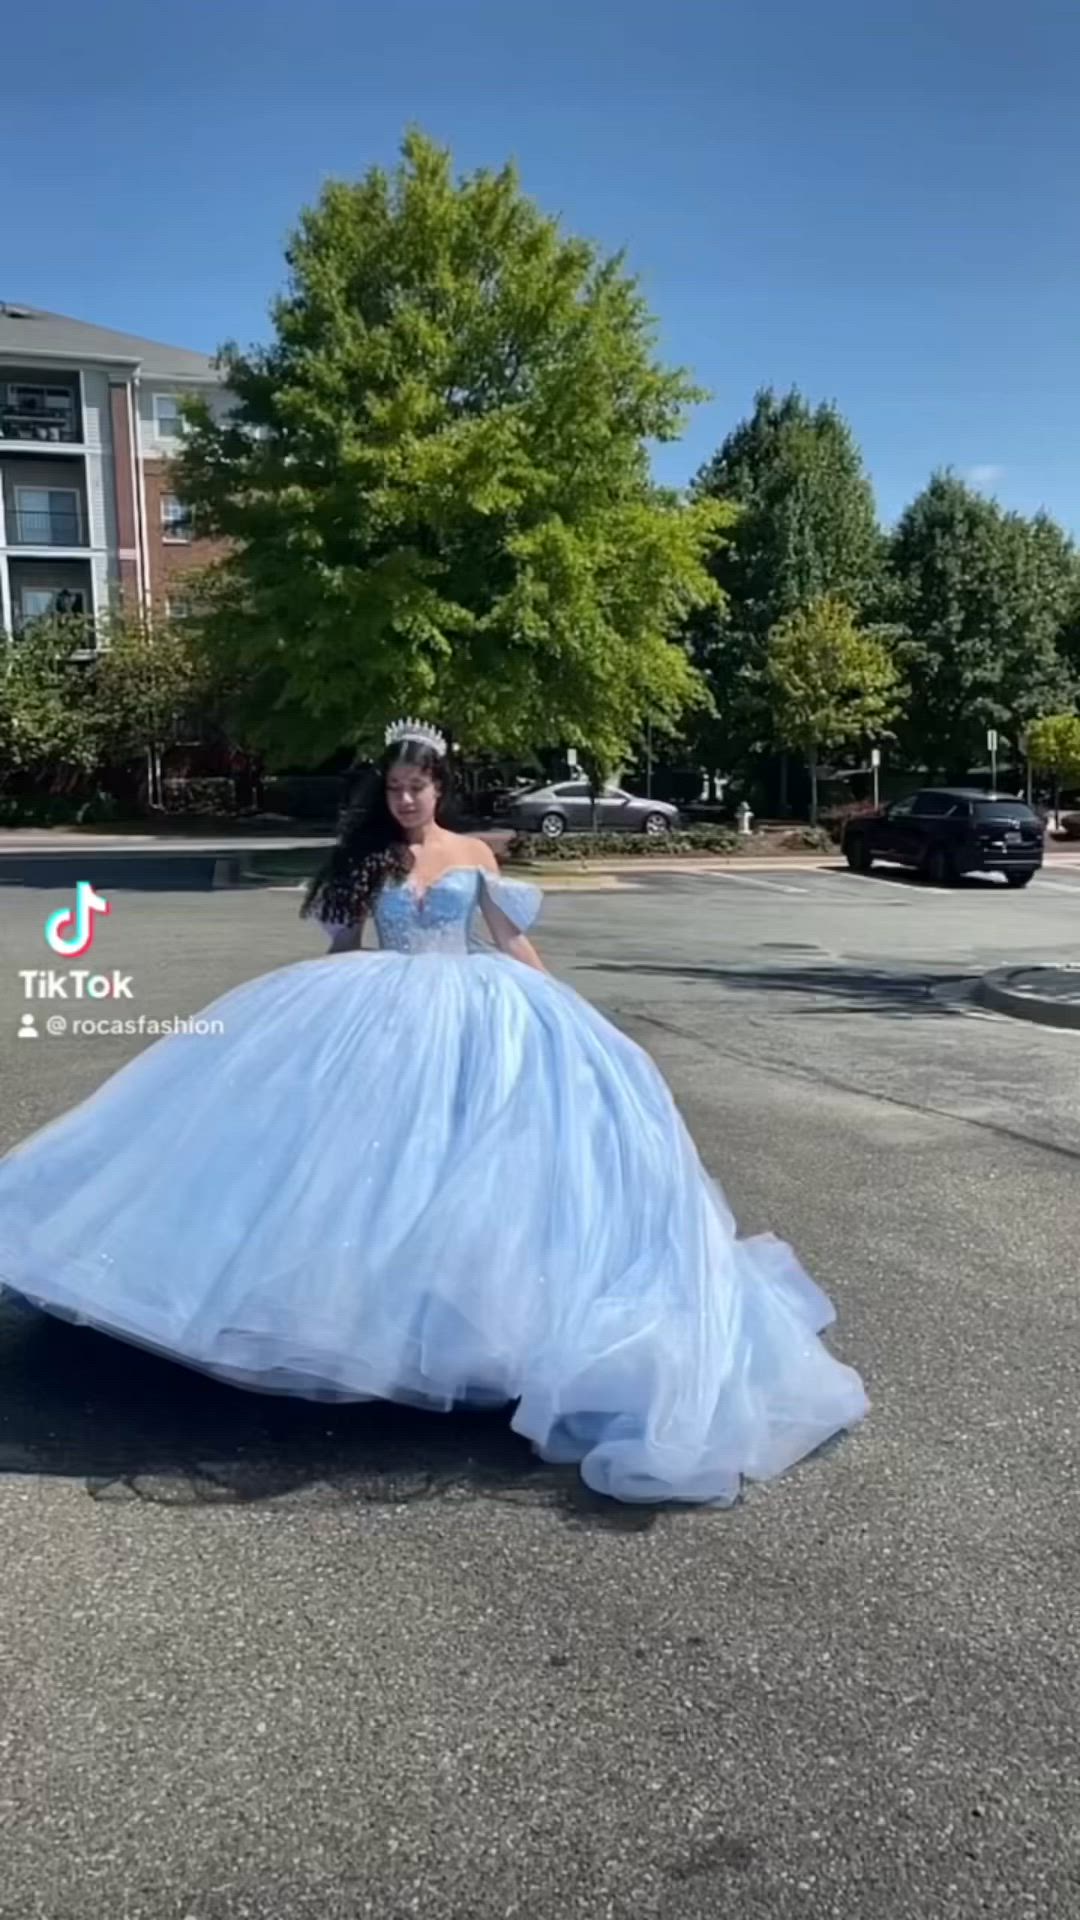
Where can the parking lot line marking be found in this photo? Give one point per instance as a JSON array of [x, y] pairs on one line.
[[910, 890], [770, 886], [1057, 886]]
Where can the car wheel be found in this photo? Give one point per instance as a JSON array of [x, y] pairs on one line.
[[553, 826], [655, 824], [1019, 879], [858, 855], [939, 868]]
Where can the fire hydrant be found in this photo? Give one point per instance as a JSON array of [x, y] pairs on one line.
[[744, 817]]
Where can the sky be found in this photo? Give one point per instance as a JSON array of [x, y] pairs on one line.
[[876, 203]]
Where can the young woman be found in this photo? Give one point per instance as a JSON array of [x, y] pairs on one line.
[[432, 1174]]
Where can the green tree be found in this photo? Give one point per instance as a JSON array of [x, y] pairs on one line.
[[985, 596], [828, 683], [145, 674], [1041, 583], [436, 481], [1053, 748], [48, 730], [806, 528]]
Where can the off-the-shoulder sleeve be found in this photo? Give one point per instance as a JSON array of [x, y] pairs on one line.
[[520, 901]]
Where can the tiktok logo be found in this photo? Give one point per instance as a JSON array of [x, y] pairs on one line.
[[70, 930]]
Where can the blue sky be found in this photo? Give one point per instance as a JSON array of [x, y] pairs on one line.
[[877, 203]]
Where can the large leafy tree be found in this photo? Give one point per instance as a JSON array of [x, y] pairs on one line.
[[829, 684], [145, 675], [1053, 747], [806, 530], [985, 596], [436, 481], [49, 732]]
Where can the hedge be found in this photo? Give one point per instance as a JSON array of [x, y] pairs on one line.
[[528, 849]]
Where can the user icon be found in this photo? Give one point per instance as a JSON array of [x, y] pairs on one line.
[[28, 1027]]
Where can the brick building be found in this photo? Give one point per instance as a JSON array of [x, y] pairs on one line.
[[89, 420]]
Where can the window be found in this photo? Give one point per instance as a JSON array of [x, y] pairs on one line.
[[934, 806], [1005, 811], [47, 517], [167, 416], [36, 603], [180, 606], [175, 518], [42, 603]]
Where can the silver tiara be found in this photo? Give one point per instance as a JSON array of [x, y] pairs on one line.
[[416, 730]]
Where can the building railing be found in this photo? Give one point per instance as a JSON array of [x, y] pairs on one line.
[[56, 528], [48, 425]]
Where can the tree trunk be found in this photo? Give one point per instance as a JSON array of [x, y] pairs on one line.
[[783, 786], [812, 764]]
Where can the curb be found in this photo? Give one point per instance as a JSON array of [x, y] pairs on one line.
[[1001, 993]]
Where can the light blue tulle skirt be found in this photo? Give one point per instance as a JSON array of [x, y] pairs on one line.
[[433, 1180]]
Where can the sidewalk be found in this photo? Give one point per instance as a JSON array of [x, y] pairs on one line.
[[1048, 996]]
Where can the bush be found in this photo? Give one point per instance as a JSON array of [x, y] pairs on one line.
[[526, 848], [1070, 825], [808, 840], [201, 795], [835, 819], [305, 796], [55, 809]]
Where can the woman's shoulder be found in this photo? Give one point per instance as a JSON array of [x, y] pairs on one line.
[[475, 852]]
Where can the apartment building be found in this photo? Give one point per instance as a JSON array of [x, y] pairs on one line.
[[89, 514]]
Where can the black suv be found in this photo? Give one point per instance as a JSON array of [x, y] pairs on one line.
[[946, 832]]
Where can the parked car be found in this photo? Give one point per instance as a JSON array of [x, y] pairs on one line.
[[947, 832], [566, 807]]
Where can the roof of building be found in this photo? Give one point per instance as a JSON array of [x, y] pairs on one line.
[[28, 331]]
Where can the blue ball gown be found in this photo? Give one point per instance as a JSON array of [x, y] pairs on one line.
[[433, 1175]]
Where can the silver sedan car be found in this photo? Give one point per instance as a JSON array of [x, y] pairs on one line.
[[567, 808]]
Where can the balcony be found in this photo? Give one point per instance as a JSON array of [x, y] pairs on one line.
[[37, 412], [56, 527], [49, 590]]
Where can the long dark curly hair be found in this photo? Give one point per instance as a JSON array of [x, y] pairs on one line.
[[371, 847]]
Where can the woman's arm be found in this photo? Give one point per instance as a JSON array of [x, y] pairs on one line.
[[506, 936], [347, 939]]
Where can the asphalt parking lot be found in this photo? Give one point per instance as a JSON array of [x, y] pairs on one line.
[[258, 1660]]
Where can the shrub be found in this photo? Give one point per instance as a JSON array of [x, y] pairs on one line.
[[55, 809], [203, 794], [526, 849], [808, 840], [305, 796], [1070, 825], [835, 819]]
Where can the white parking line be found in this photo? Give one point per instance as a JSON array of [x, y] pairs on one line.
[[770, 886], [1058, 886], [892, 883]]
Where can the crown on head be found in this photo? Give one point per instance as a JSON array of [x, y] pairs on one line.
[[416, 730]]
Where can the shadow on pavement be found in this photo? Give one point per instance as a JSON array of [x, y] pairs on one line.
[[868, 991], [134, 1428], [911, 877]]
